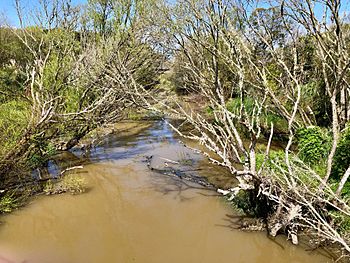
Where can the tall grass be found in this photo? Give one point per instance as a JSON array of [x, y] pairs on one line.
[[14, 117]]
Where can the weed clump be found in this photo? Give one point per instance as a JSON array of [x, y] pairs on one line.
[[69, 184], [8, 203]]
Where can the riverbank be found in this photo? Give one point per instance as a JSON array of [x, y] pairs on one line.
[[50, 179], [130, 213]]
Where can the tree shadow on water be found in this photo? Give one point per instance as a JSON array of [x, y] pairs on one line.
[[169, 184]]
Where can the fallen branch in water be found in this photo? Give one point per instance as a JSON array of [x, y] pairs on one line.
[[179, 173], [71, 168], [168, 160]]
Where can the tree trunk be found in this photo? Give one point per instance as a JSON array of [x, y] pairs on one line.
[[343, 181]]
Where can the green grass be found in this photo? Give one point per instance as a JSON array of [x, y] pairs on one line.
[[14, 116]]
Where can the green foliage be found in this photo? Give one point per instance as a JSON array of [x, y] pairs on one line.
[[36, 160], [165, 82], [260, 157], [58, 69], [8, 203], [209, 110], [135, 115], [342, 155], [249, 203], [41, 152], [341, 221], [139, 115], [242, 203], [234, 105], [50, 149], [276, 166], [14, 117], [314, 144], [268, 22], [115, 16], [12, 48], [280, 124], [69, 184], [267, 115], [334, 184], [185, 81], [100, 11], [11, 83], [49, 187], [181, 79], [274, 157], [313, 97]]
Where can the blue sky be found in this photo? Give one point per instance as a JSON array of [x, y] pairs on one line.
[[8, 8]]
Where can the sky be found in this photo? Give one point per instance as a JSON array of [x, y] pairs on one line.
[[7, 7]]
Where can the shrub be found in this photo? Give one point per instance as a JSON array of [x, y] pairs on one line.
[[342, 155], [234, 105], [40, 154], [267, 115], [275, 156], [314, 144], [341, 221]]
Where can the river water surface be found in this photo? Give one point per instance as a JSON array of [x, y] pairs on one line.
[[133, 214]]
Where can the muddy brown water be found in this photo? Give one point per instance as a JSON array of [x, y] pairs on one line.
[[133, 214]]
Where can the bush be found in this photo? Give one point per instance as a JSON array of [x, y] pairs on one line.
[[40, 154], [267, 115], [234, 105], [314, 144], [342, 155], [341, 221], [11, 83], [276, 165], [275, 157]]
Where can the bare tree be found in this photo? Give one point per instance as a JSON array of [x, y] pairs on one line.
[[74, 85], [239, 63]]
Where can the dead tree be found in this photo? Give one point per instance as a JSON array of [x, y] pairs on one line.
[[75, 81], [217, 39]]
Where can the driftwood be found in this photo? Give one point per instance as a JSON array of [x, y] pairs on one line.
[[179, 172]]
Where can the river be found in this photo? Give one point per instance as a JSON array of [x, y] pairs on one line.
[[130, 213]]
